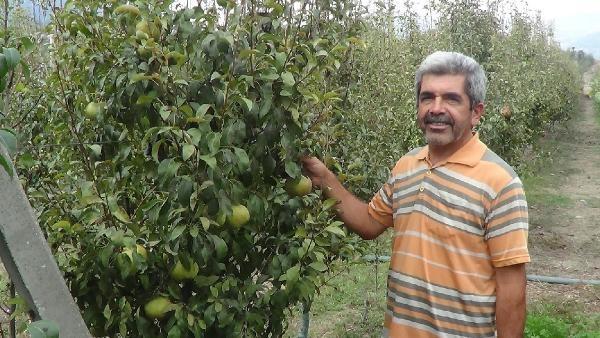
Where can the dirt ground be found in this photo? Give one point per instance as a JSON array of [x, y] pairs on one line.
[[564, 239]]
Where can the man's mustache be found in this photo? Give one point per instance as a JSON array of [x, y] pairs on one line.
[[431, 118]]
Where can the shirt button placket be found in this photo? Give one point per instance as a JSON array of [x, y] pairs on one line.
[[422, 188]]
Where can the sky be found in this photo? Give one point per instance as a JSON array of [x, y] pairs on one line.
[[571, 19]]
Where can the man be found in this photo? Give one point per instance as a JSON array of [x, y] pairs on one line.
[[458, 214]]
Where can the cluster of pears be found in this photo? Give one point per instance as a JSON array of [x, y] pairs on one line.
[[159, 306], [240, 214]]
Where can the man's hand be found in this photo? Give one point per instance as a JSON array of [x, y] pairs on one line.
[[317, 172]]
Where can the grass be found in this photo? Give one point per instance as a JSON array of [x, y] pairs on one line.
[[561, 320], [351, 305], [539, 178]]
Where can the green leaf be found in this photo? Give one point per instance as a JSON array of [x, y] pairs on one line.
[[26, 70], [43, 329], [210, 160], [105, 255], [12, 57], [269, 75], [188, 151], [243, 160], [177, 232], [184, 192], [292, 169], [201, 111], [205, 223], [165, 112], [321, 53], [117, 210], [288, 79], [203, 281], [107, 312], [26, 160], [335, 229], [174, 332], [319, 266], [194, 231], [26, 44], [291, 275], [167, 169], [96, 149], [88, 194], [329, 203], [5, 164], [9, 140], [247, 104], [61, 225], [3, 68], [331, 96], [146, 100], [220, 246], [214, 142]]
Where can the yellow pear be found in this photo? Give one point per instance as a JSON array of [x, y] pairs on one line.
[[179, 272], [127, 9], [158, 307], [93, 109], [299, 187], [239, 216]]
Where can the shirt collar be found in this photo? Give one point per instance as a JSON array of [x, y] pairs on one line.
[[470, 154]]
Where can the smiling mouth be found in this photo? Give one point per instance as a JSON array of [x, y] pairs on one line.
[[438, 126]]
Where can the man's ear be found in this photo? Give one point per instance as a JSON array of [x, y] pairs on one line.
[[478, 111]]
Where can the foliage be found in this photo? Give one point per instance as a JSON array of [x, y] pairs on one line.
[[162, 122], [14, 50], [595, 91], [9, 59]]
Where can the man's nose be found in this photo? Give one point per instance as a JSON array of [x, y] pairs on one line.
[[437, 106]]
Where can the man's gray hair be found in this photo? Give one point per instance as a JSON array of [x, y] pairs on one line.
[[452, 63]]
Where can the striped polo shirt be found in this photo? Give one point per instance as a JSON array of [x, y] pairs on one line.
[[454, 223]]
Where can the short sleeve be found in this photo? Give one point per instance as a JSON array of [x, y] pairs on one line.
[[380, 207], [507, 226]]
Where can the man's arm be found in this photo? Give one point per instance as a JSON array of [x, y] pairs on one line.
[[353, 212], [511, 283]]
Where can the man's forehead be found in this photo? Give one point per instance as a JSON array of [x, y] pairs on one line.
[[450, 82]]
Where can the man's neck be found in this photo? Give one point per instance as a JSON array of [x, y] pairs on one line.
[[440, 154]]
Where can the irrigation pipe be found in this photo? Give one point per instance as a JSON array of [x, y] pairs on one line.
[[533, 278]]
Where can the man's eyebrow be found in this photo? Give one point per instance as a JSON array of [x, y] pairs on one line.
[[452, 95]]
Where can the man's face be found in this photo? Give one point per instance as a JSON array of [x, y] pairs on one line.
[[444, 113]]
